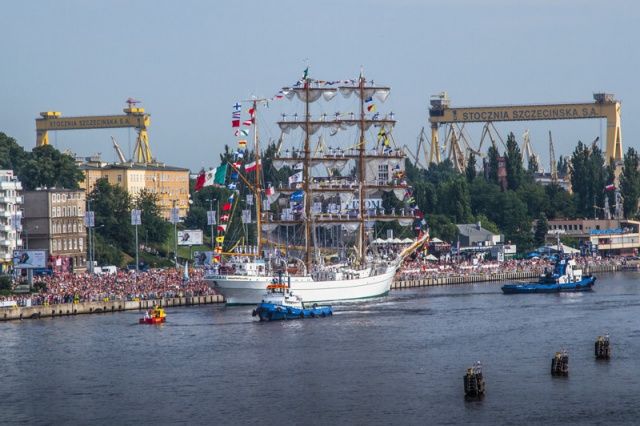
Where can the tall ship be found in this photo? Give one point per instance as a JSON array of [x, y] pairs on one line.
[[316, 228]]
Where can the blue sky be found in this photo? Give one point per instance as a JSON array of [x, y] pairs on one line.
[[190, 61]]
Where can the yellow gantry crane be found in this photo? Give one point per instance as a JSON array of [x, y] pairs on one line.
[[134, 117], [604, 106]]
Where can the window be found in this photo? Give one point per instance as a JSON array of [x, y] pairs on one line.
[[80, 243], [64, 227], [119, 178], [74, 228], [383, 173], [64, 211]]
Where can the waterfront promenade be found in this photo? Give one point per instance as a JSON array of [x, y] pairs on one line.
[[81, 294]]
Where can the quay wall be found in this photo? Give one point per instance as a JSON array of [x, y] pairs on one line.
[[101, 307], [96, 308], [487, 277]]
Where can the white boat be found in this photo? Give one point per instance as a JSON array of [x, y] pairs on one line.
[[319, 204]]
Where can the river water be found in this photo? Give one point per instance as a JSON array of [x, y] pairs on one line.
[[395, 360]]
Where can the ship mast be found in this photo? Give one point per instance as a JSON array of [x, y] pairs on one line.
[[361, 152], [255, 189], [305, 173], [258, 169]]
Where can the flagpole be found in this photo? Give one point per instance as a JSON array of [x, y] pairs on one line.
[[258, 191]]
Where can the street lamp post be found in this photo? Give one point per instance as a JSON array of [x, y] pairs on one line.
[[175, 213], [136, 220], [93, 246], [26, 232], [212, 217], [89, 223]]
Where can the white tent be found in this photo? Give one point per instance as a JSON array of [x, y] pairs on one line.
[[565, 249], [430, 257], [407, 241]]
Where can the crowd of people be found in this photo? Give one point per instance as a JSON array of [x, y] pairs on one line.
[[420, 268], [158, 283], [123, 285]]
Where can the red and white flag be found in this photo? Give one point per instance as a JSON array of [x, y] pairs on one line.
[[251, 167]]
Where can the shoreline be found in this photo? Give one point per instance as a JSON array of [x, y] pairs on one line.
[[490, 276], [112, 306], [97, 308]]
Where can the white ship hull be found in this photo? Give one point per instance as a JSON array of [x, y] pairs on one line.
[[250, 290]]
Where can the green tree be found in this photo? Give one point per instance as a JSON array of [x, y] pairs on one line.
[[513, 164], [535, 197], [484, 198], [533, 166], [470, 170], [12, 155], [587, 179], [426, 197], [561, 205], [440, 226], [562, 166], [454, 200], [493, 155], [487, 224], [542, 226], [46, 166], [154, 228], [111, 204], [442, 172], [630, 183]]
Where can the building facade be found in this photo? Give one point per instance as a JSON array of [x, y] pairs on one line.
[[54, 221], [10, 213], [602, 236], [170, 184]]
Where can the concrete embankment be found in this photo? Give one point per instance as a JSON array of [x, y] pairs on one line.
[[486, 277], [91, 308]]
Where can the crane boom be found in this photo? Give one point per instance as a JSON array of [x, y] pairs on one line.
[[552, 161], [118, 150]]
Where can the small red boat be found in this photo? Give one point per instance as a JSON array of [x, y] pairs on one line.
[[154, 316]]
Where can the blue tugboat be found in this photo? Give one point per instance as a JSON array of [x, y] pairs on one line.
[[279, 304], [564, 278]]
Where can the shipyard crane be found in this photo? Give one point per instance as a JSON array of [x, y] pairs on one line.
[[421, 143], [593, 145], [552, 161], [118, 150], [486, 132], [604, 107], [133, 117], [456, 155], [528, 153]]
